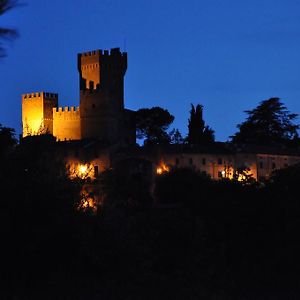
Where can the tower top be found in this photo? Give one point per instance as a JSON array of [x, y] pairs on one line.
[[99, 52], [101, 68], [40, 95]]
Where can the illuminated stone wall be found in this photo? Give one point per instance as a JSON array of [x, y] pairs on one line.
[[37, 117], [215, 165], [267, 163], [66, 123]]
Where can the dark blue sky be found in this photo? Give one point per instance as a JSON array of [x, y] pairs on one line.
[[224, 54]]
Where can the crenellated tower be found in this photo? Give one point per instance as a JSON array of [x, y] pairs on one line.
[[101, 114], [37, 113], [101, 75]]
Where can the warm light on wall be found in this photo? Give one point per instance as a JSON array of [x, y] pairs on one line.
[[159, 171], [87, 202], [163, 168], [244, 174], [82, 170], [227, 172]]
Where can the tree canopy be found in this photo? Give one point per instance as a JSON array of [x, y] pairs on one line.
[[198, 132], [152, 125], [269, 123]]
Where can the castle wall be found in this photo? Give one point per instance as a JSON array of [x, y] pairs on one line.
[[66, 123], [100, 117], [128, 128], [37, 115]]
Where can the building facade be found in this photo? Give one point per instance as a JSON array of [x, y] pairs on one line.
[[93, 133]]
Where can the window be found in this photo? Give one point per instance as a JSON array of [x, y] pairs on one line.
[[261, 165], [262, 178], [220, 161], [203, 161], [220, 174], [273, 166], [96, 171]]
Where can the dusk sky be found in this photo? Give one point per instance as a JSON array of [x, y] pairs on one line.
[[227, 55]]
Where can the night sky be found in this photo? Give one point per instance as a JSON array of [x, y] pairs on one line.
[[227, 55]]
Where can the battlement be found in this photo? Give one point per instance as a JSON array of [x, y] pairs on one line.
[[99, 52], [40, 95], [66, 109], [93, 57]]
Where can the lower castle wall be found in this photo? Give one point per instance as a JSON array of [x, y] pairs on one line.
[[66, 123]]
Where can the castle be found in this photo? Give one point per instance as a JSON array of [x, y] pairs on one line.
[[100, 132], [100, 115]]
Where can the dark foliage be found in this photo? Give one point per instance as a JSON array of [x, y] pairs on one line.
[[7, 141], [270, 123], [152, 125], [37, 214], [122, 190], [176, 137], [198, 133], [7, 33], [200, 239], [180, 186]]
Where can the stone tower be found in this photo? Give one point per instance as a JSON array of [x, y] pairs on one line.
[[37, 113], [102, 113]]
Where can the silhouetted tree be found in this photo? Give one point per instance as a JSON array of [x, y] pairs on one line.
[[181, 186], [7, 141], [122, 189], [6, 33], [176, 137], [152, 124], [269, 123], [285, 181], [198, 132]]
